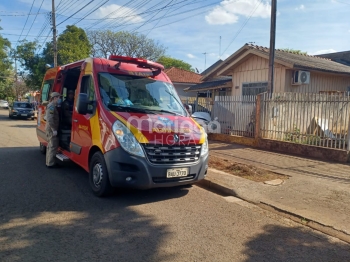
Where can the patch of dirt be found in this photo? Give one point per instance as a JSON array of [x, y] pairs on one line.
[[245, 171]]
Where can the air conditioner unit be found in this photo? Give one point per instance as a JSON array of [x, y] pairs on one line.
[[301, 78]]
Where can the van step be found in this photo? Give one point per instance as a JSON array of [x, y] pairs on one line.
[[62, 157]]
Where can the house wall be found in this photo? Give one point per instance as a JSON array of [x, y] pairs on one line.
[[256, 69], [318, 82]]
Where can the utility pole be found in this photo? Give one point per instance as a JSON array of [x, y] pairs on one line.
[[205, 60], [53, 17], [272, 46]]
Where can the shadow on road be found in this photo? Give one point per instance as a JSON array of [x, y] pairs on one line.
[[51, 215], [279, 243]]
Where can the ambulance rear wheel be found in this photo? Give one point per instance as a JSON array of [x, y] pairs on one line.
[[42, 149], [98, 176]]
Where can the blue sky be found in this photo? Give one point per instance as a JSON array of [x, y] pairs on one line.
[[190, 28]]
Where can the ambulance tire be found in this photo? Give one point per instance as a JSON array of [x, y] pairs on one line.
[[98, 176]]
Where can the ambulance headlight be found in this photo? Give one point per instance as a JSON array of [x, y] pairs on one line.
[[126, 139], [205, 145]]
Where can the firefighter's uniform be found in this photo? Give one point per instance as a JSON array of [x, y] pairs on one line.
[[51, 129]]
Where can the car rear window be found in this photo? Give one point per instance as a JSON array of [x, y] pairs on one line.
[[22, 105]]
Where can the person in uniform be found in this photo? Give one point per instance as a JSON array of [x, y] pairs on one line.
[[67, 107], [52, 123]]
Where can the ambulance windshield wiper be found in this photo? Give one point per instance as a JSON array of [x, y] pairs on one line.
[[169, 112], [132, 109]]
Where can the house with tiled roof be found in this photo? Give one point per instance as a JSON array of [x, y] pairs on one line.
[[183, 79], [248, 69], [339, 57]]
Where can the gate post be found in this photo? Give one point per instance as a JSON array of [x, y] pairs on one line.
[[257, 116]]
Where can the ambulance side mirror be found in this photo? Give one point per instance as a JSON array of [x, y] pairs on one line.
[[82, 104]]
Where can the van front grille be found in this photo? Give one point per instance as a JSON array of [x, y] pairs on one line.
[[164, 154]]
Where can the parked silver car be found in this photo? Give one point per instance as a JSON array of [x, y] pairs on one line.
[[4, 104]]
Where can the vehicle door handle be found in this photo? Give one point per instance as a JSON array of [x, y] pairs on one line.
[[75, 120]]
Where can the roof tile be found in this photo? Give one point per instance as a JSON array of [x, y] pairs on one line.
[[182, 76], [305, 61]]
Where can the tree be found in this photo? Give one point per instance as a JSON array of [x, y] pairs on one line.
[[294, 51], [5, 59], [6, 71], [172, 62], [72, 45], [33, 64], [105, 43], [6, 91], [20, 89]]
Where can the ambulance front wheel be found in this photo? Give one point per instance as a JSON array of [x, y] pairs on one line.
[[98, 176]]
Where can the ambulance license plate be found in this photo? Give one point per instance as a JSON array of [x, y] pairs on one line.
[[23, 114], [176, 172]]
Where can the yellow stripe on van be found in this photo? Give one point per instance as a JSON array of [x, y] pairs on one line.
[[138, 135], [203, 134], [96, 132], [88, 66]]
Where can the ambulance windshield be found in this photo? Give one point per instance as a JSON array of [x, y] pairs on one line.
[[139, 93]]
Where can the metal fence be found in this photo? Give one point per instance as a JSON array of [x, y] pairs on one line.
[[236, 114], [203, 104], [313, 119]]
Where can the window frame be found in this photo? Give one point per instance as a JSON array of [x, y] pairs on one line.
[[254, 85]]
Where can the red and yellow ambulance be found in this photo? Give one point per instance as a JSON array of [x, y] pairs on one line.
[[128, 126]]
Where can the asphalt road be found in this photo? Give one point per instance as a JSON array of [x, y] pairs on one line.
[[51, 215]]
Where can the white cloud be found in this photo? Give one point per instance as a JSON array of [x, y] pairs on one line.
[[301, 7], [325, 51], [229, 11], [190, 56], [120, 12]]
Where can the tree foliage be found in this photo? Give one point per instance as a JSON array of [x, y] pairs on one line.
[[6, 71], [33, 64], [294, 51], [167, 62], [72, 45], [105, 43]]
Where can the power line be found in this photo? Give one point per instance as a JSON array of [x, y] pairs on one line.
[[179, 13], [165, 13], [110, 14], [68, 5], [91, 12], [34, 19], [19, 35], [150, 10], [152, 16], [244, 24], [184, 12], [76, 12], [45, 25], [26, 20], [25, 14]]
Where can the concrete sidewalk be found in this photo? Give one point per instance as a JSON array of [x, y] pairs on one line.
[[317, 191]]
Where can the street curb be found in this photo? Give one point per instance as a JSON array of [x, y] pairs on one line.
[[225, 191]]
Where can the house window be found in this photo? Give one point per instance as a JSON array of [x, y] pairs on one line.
[[253, 89]]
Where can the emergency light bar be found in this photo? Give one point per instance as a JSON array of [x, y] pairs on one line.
[[136, 61]]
